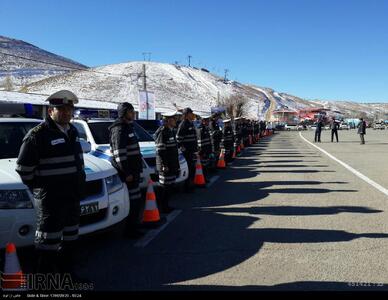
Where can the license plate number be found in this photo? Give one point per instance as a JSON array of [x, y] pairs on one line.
[[88, 209]]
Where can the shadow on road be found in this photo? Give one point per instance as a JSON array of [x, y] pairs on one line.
[[296, 210]]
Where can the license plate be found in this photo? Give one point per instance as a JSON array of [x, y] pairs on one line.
[[88, 209]]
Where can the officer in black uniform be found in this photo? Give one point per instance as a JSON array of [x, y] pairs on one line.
[[216, 137], [51, 164], [187, 141], [167, 159], [245, 133], [228, 140], [128, 162], [237, 132], [205, 146]]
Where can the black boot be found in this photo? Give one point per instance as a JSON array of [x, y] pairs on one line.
[[69, 259], [166, 195], [47, 262]]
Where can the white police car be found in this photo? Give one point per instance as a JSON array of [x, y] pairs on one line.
[[95, 131], [106, 204]]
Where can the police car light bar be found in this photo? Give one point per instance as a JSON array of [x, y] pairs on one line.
[[95, 114]]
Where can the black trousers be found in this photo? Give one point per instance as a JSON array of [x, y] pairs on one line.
[[136, 202], [362, 138], [191, 160], [317, 137], [334, 132]]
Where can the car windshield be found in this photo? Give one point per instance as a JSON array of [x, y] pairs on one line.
[[100, 132], [149, 125], [11, 137]]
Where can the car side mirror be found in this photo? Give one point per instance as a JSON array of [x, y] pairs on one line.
[[86, 146]]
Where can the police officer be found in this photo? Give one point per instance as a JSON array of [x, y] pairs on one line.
[[362, 130], [167, 159], [334, 125], [187, 141], [205, 145], [228, 140], [318, 131], [262, 128], [128, 162], [51, 164], [216, 137], [245, 132], [237, 132]]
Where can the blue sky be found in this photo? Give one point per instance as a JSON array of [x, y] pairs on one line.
[[315, 49]]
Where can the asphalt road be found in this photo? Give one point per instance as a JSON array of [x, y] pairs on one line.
[[284, 216]]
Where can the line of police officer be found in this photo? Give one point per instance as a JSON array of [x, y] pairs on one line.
[[51, 164]]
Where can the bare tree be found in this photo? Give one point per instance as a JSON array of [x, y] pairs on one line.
[[235, 105], [8, 85]]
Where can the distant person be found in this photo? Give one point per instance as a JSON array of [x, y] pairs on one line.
[[186, 137], [124, 145], [318, 131], [334, 129], [362, 130], [167, 159]]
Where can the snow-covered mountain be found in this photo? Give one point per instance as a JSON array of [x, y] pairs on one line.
[[175, 86], [16, 71]]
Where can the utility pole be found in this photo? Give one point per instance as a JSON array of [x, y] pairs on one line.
[[189, 57], [145, 87], [147, 53], [226, 73]]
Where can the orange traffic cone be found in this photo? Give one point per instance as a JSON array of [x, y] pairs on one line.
[[151, 212], [199, 179], [221, 161], [12, 278]]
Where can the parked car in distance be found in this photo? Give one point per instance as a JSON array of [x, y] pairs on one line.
[[344, 126], [290, 127], [378, 126]]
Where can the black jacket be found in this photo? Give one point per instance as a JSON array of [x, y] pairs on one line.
[[319, 126], [238, 133], [361, 127], [334, 125], [166, 150], [205, 144], [216, 135], [125, 149], [228, 137], [52, 162], [187, 136]]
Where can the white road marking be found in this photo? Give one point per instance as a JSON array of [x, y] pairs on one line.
[[213, 180], [354, 171], [154, 232]]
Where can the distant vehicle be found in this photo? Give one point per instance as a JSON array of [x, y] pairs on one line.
[[301, 127], [290, 127], [149, 125], [344, 126], [327, 127], [378, 126], [280, 127]]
